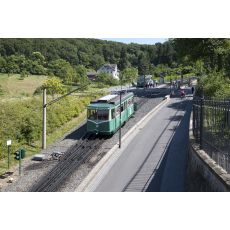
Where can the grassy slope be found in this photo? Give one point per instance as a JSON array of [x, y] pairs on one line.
[[50, 139], [14, 87], [18, 88]]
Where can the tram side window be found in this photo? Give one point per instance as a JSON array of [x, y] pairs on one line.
[[129, 102], [103, 114], [125, 104], [122, 107], [92, 114], [117, 111], [113, 113]]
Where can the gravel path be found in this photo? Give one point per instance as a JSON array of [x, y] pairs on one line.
[[33, 171]]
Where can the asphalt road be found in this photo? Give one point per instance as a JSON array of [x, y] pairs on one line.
[[154, 156]]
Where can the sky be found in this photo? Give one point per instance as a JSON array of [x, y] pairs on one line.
[[149, 41]]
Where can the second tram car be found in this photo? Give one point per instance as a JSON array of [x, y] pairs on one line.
[[143, 80], [103, 115]]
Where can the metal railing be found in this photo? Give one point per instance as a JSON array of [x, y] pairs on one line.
[[211, 128]]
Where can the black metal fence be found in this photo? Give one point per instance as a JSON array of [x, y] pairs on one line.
[[211, 128]]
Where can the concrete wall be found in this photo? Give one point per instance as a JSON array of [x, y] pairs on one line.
[[203, 174]]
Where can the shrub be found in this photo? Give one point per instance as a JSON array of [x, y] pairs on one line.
[[214, 85], [38, 91]]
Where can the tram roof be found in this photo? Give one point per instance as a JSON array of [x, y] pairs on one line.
[[109, 101], [100, 105]]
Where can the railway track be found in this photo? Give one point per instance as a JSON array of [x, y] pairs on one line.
[[77, 155], [68, 163]]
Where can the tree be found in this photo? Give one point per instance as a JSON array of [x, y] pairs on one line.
[[81, 71], [106, 79], [62, 69], [24, 74], [210, 50], [143, 64], [199, 67], [129, 75], [38, 57], [123, 62], [2, 65], [29, 130], [84, 83], [97, 61], [81, 76], [53, 86], [36, 68], [12, 65], [160, 70]]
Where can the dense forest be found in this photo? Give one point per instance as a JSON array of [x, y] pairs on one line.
[[39, 56], [69, 59]]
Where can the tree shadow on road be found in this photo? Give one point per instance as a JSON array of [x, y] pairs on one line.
[[171, 173], [179, 104]]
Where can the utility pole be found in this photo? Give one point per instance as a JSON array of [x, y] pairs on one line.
[[120, 114], [120, 124], [44, 120], [44, 106]]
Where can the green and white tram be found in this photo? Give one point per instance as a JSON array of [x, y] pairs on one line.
[[103, 115]]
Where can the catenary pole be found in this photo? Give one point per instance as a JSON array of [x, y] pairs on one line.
[[44, 106], [120, 124], [120, 113], [44, 120]]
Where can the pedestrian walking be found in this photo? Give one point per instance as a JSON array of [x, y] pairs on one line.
[[192, 90]]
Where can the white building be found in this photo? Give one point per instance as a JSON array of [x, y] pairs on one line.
[[110, 69]]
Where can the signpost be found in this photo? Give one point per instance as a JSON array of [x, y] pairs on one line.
[[8, 143]]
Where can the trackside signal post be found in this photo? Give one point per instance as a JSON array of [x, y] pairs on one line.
[[19, 155]]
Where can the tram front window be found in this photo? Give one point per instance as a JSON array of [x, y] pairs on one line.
[[102, 114], [98, 114], [92, 114]]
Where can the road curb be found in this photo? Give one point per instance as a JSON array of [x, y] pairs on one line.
[[85, 183]]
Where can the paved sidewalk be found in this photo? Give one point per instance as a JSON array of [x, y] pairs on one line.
[[172, 173]]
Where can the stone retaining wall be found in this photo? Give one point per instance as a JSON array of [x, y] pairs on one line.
[[203, 174]]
